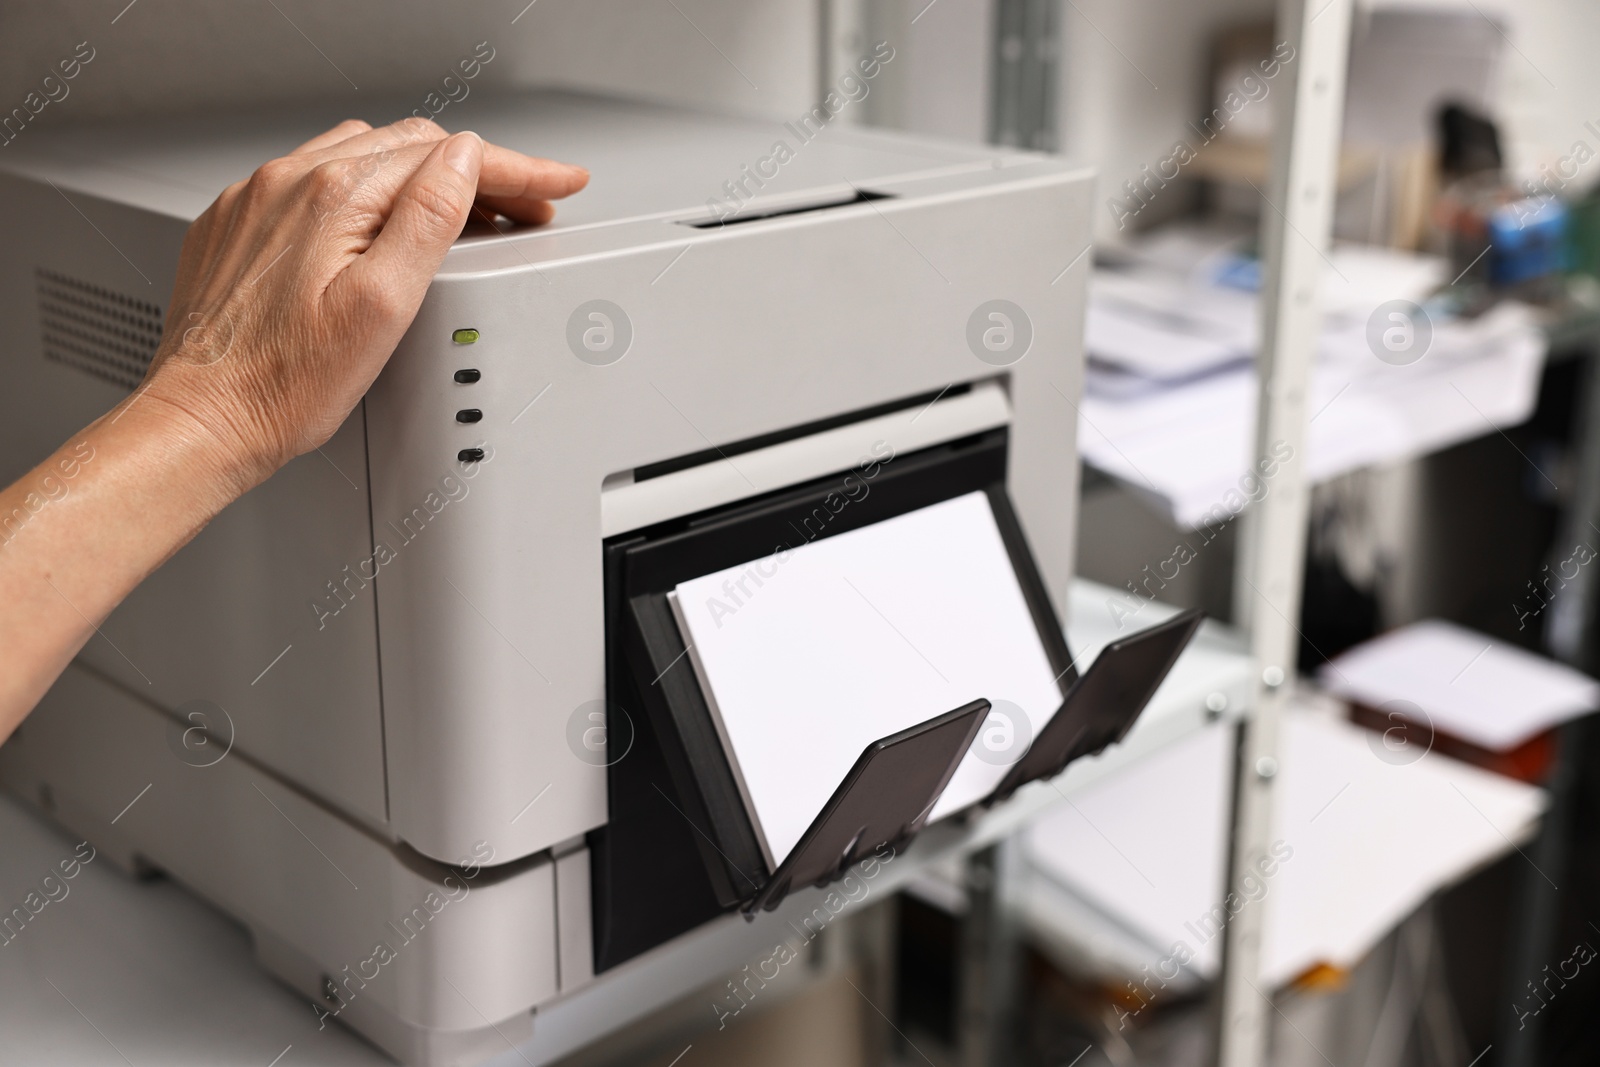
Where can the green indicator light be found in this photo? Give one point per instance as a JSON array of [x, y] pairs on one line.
[[464, 337]]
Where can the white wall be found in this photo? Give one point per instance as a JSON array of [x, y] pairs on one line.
[[1134, 72], [166, 56], [1550, 83], [1112, 114], [939, 83]]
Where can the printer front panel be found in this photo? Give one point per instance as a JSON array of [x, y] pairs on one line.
[[491, 618]]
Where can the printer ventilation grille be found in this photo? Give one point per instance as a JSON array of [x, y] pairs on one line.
[[95, 330]]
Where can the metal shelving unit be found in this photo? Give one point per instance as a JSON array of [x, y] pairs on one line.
[[1295, 238]]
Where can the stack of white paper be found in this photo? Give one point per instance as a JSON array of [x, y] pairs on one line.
[[809, 656], [1358, 844], [1467, 685]]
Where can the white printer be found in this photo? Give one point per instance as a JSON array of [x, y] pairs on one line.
[[395, 709]]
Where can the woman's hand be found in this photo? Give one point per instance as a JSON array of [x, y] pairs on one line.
[[292, 291], [296, 285]]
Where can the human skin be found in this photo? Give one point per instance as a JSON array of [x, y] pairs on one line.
[[293, 289]]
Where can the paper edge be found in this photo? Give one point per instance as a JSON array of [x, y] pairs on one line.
[[706, 691]]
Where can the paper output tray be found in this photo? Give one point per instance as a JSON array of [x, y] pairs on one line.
[[1102, 705], [679, 848], [675, 795]]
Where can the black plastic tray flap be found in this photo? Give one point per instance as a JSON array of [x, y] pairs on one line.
[[702, 778], [884, 799], [1103, 704]]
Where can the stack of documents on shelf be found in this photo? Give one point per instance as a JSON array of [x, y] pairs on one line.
[[1170, 396], [1147, 328], [1483, 691], [1129, 877]]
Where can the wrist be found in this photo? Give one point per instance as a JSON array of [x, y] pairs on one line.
[[193, 464], [181, 415]]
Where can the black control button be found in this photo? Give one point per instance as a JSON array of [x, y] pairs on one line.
[[470, 455], [469, 415], [467, 376]]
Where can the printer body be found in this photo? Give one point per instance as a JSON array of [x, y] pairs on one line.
[[372, 710]]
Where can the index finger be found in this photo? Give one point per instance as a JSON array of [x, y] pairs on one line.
[[513, 184], [509, 176]]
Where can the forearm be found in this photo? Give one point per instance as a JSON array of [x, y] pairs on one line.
[[83, 528]]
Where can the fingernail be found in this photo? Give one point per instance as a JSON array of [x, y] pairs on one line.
[[459, 154]]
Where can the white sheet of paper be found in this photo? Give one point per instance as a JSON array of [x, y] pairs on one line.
[[1481, 690], [809, 657], [1146, 847]]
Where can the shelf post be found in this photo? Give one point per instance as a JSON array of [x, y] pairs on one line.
[[1296, 221]]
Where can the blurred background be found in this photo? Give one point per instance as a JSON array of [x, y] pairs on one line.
[[1448, 613]]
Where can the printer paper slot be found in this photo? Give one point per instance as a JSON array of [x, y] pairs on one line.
[[935, 558], [862, 196], [958, 489]]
